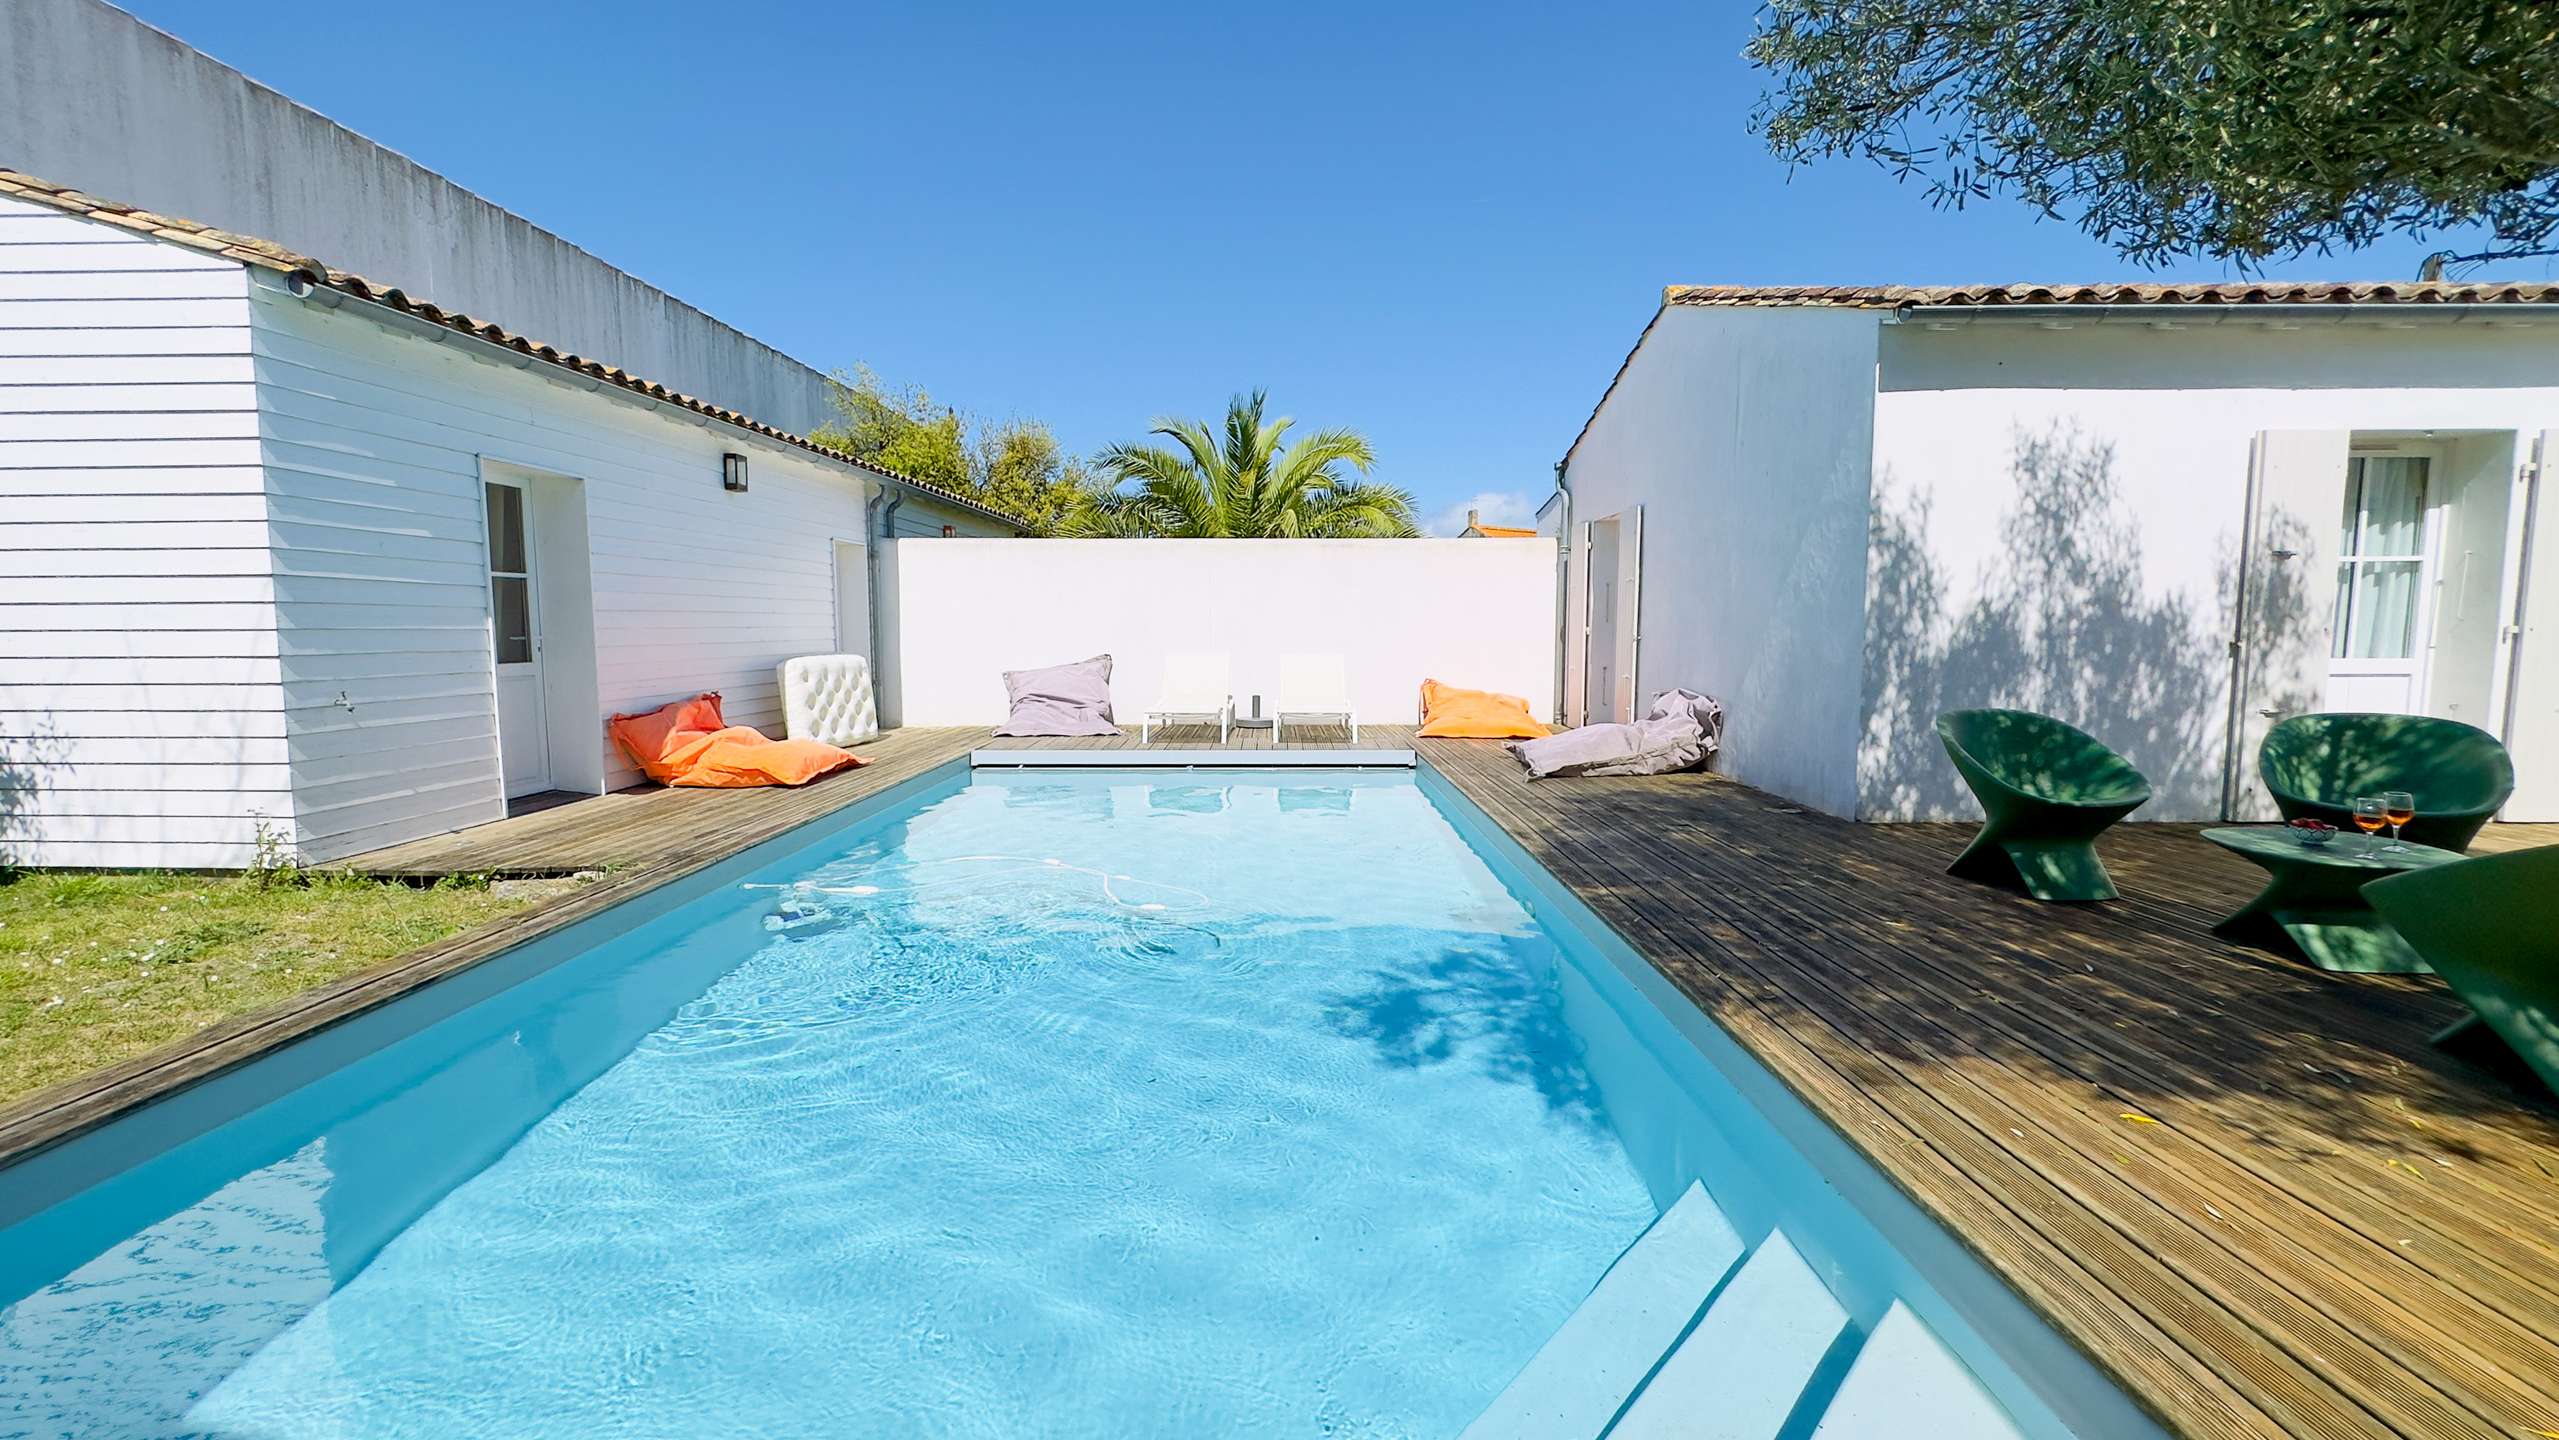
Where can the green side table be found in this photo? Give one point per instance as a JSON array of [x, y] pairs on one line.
[[2313, 905]]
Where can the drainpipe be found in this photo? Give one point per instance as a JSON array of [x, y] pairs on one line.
[[1563, 582], [883, 514]]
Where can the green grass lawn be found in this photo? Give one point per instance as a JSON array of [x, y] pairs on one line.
[[97, 967]]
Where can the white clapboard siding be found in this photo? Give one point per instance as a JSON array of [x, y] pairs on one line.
[[375, 440], [141, 699]]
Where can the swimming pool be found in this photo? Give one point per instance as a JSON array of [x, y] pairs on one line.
[[1060, 1103]]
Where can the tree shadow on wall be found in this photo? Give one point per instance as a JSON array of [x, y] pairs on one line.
[[24, 754], [2061, 623]]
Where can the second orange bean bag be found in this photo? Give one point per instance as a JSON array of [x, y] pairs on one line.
[[1451, 713]]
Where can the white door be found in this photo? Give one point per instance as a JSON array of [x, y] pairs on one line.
[[2377, 640], [1630, 611], [524, 747], [1600, 647], [2532, 687], [2287, 598]]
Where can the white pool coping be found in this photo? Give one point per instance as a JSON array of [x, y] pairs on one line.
[[1162, 758]]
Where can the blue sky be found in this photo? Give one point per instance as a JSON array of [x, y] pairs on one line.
[[1440, 224]]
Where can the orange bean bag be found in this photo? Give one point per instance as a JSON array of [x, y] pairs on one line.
[[687, 743], [1451, 713]]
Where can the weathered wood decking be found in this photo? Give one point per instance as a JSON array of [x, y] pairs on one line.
[[2249, 1189]]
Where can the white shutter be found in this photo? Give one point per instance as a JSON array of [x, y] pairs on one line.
[[2532, 695], [1580, 658], [1630, 608], [2288, 596]]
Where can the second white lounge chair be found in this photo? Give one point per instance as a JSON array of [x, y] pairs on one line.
[[1313, 688], [1198, 688]]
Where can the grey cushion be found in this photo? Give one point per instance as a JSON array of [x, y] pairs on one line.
[[1060, 700], [1680, 731]]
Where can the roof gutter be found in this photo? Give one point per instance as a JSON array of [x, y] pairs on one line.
[[2198, 317]]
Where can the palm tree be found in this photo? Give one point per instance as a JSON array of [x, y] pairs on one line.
[[1244, 485]]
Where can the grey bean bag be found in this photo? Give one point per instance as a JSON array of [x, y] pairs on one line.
[[1682, 730], [1060, 700]]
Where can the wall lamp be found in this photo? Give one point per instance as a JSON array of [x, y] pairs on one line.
[[733, 472]]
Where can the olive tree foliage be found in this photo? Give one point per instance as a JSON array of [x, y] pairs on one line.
[[1014, 466], [2240, 129]]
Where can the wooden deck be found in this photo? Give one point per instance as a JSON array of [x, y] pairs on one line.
[[2250, 1189]]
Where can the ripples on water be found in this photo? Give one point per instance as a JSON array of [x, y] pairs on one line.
[[1080, 1107]]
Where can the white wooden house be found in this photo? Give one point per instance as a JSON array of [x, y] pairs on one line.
[[287, 553], [2168, 514]]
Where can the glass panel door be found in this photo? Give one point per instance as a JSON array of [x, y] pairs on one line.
[[2381, 558]]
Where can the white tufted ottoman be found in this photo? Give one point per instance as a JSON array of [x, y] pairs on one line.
[[828, 698]]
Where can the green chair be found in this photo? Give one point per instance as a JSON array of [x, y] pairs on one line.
[[2046, 791], [2315, 766], [2490, 927]]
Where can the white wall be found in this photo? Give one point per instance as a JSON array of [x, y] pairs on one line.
[[98, 100], [375, 444], [1478, 613], [2113, 613], [141, 702], [1745, 436]]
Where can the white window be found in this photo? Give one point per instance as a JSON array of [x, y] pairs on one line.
[[510, 575], [2381, 559]]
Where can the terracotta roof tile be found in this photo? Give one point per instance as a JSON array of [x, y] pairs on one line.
[[267, 255], [1896, 297]]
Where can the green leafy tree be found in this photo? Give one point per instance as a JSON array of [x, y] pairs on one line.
[[1014, 466], [1022, 472], [2228, 128], [1248, 482]]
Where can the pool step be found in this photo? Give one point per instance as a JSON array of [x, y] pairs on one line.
[[1740, 1372], [1693, 1335], [1578, 1381], [1906, 1382]]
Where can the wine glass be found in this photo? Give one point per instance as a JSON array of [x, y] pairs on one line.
[[2398, 807], [2370, 816]]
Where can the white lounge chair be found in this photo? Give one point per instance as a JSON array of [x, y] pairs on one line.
[[1313, 688], [1198, 688]]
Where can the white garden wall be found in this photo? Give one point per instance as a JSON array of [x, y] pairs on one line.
[[1479, 613]]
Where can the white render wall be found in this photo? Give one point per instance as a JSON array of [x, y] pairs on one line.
[[1745, 435], [96, 99], [375, 445], [2114, 612], [1478, 613], [141, 701]]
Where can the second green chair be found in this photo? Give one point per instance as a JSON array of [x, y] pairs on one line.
[[2315, 765], [2047, 791]]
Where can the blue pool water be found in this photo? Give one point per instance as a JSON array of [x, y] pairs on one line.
[[1068, 1104]]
